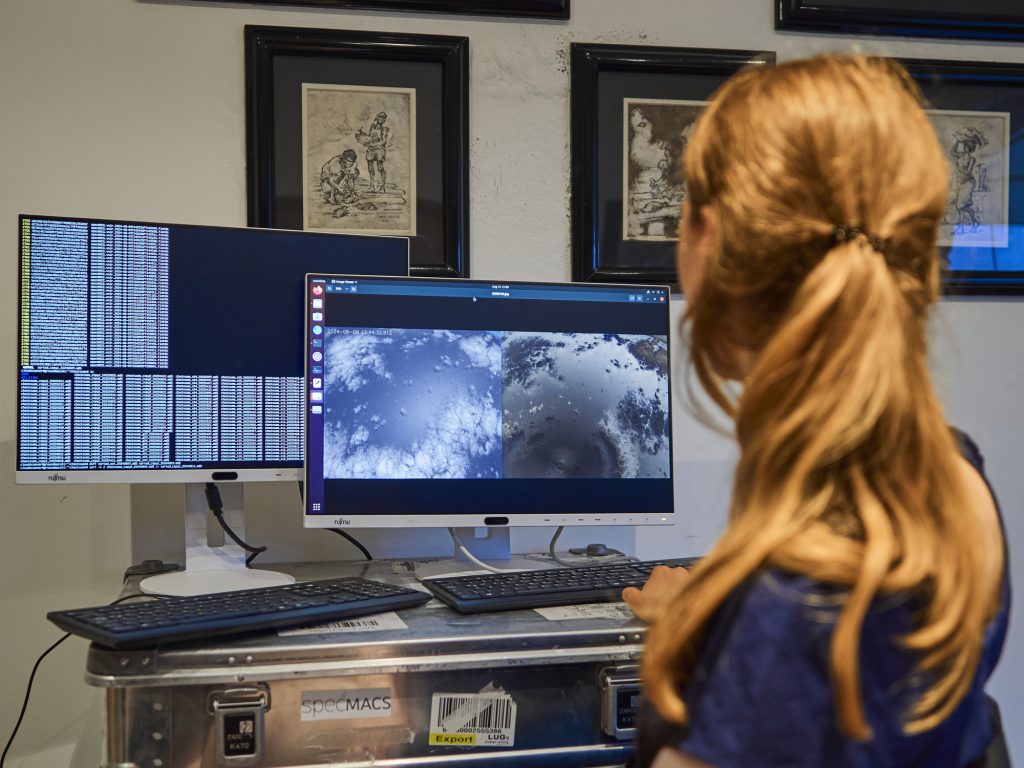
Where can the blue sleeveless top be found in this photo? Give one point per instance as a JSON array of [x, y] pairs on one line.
[[761, 693]]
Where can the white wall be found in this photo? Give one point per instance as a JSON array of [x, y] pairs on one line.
[[135, 110]]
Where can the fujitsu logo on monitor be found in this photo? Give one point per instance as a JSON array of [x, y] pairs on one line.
[[55, 478], [342, 521]]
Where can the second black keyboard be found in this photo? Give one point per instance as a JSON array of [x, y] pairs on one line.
[[173, 619], [538, 589]]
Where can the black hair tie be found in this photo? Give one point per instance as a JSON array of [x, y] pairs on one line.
[[845, 234]]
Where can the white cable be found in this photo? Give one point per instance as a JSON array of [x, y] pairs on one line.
[[551, 551], [469, 555]]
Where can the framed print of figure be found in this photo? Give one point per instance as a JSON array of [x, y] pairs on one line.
[[359, 154], [632, 109], [361, 132], [977, 109]]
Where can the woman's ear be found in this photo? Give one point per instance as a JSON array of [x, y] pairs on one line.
[[698, 239], [709, 229]]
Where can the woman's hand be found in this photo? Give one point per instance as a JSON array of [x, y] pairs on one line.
[[670, 758], [663, 584]]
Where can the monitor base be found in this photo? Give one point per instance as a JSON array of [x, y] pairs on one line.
[[211, 565], [205, 582]]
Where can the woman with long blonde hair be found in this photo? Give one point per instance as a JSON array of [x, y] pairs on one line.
[[857, 602]]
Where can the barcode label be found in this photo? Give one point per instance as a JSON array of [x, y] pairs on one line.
[[475, 713], [376, 623], [351, 624], [473, 719]]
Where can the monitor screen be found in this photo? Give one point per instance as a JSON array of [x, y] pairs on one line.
[[165, 352], [467, 403]]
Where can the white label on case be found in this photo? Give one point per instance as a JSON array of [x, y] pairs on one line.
[[346, 705], [587, 611]]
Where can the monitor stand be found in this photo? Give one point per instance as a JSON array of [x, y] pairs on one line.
[[210, 564], [491, 544]]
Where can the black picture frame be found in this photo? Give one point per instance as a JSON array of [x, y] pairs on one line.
[[537, 9], [979, 19], [970, 87], [602, 77], [278, 60]]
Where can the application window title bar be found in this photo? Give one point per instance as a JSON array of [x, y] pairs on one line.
[[477, 291]]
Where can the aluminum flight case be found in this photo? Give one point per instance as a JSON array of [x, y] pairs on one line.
[[424, 687]]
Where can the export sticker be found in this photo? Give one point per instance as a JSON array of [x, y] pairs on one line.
[[473, 719], [346, 705]]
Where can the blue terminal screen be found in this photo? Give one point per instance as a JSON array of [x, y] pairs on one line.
[[449, 397]]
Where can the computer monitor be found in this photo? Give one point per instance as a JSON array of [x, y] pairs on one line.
[[166, 352], [465, 404]]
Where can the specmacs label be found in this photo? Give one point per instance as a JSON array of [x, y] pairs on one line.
[[346, 705], [472, 720]]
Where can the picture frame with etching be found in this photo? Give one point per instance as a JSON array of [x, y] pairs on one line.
[[977, 109], [361, 132], [632, 108]]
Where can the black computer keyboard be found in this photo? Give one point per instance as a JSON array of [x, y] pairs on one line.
[[536, 589], [173, 619]]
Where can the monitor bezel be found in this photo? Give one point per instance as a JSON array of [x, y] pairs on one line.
[[484, 519], [226, 473], [169, 475]]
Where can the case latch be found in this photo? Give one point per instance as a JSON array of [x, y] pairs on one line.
[[239, 715], [620, 701]]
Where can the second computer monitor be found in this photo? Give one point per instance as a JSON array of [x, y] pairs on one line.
[[434, 402], [153, 352]]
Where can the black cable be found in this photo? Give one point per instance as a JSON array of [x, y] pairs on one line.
[[551, 548], [32, 677], [352, 539], [28, 690], [213, 501]]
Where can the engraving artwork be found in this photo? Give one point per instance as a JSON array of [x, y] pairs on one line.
[[654, 135], [359, 159], [977, 145]]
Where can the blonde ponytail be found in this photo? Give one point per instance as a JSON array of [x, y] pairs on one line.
[[847, 471]]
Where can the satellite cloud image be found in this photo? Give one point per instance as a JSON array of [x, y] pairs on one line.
[[408, 403], [585, 405]]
